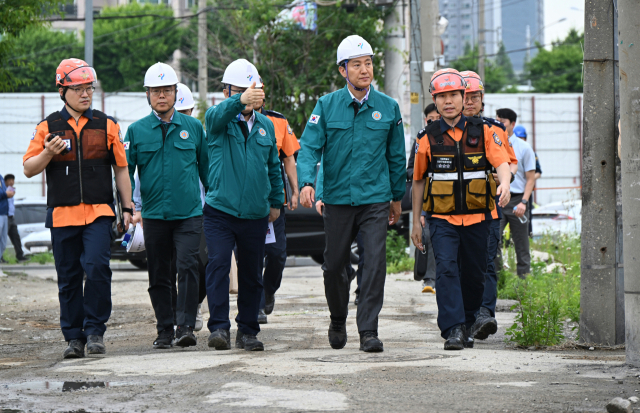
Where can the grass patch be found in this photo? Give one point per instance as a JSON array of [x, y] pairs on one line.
[[39, 258], [397, 258], [546, 298]]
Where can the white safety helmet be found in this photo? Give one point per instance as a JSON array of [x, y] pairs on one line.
[[134, 241], [160, 74], [352, 47], [184, 98], [241, 73]]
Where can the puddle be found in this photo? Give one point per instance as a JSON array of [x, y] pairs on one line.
[[61, 385]]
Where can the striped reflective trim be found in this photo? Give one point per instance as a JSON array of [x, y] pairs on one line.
[[453, 176]]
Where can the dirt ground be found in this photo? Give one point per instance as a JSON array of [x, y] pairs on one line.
[[298, 371]]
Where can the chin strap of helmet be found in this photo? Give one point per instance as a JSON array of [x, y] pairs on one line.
[[348, 81]]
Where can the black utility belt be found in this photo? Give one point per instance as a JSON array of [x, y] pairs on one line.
[[517, 193]]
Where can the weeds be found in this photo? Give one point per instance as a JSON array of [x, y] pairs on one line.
[[397, 258], [39, 258]]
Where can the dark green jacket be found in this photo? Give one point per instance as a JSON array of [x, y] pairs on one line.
[[364, 159], [244, 174], [170, 158]]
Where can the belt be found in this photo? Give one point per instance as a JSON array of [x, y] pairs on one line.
[[452, 176], [10, 216], [517, 193]]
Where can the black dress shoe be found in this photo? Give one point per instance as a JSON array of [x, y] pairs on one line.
[[185, 337], [262, 317], [75, 350], [269, 303], [220, 339], [248, 342], [164, 339], [338, 335], [484, 326], [370, 343], [95, 345], [456, 338]]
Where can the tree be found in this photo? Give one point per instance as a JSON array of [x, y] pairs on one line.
[[504, 62], [558, 70], [297, 66], [125, 48], [16, 16], [494, 75]]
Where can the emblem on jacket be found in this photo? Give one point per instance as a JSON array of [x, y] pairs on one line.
[[262, 132], [184, 134], [376, 115], [475, 159], [496, 139]]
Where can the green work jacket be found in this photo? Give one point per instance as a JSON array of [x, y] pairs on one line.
[[364, 159], [170, 157], [244, 174]]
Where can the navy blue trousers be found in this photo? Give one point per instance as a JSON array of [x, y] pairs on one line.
[[78, 250], [223, 232], [461, 263], [275, 258], [491, 277]]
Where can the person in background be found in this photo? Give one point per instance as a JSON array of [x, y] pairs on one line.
[[5, 195], [425, 261], [14, 235], [521, 133]]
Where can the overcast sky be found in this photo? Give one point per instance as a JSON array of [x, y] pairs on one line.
[[555, 10]]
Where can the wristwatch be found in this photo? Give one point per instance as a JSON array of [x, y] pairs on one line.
[[512, 177], [524, 201]]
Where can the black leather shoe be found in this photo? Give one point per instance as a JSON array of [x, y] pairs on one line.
[[484, 326], [337, 335], [185, 337], [357, 300], [468, 342], [456, 338], [370, 343], [75, 350], [248, 342], [220, 339], [262, 317], [269, 303], [95, 345], [164, 339]]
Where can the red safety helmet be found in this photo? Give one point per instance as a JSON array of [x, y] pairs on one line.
[[71, 72], [446, 80], [474, 83]]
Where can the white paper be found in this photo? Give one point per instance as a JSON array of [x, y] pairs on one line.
[[271, 235]]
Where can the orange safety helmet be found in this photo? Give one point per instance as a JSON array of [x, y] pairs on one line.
[[72, 72], [446, 80], [474, 83]]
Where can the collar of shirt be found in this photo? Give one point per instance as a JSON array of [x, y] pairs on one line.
[[160, 119], [364, 99], [444, 126], [251, 120], [66, 115]]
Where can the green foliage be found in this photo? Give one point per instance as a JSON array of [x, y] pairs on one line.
[[44, 49], [125, 48], [495, 77], [560, 69], [17, 16], [546, 298], [397, 258], [297, 66], [504, 62], [42, 258]]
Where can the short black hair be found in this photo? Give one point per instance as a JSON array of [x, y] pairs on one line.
[[9, 176], [431, 107], [507, 114]]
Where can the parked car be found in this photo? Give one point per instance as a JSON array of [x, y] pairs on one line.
[[30, 216], [557, 217]]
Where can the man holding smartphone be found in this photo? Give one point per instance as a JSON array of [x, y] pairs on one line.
[[78, 147]]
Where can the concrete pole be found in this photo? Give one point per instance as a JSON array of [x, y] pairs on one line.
[[88, 32], [598, 280], [394, 84], [481, 37], [430, 43], [629, 15], [202, 51], [416, 69]]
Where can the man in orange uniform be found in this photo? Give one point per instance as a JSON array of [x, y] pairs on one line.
[[485, 323], [457, 154], [276, 253], [78, 147]]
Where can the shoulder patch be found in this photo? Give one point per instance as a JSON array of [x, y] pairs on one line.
[[112, 119], [493, 122], [273, 113], [422, 132], [496, 139], [399, 122], [314, 119], [417, 146]]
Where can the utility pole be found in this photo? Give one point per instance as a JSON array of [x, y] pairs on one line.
[[628, 14], [430, 43], [481, 32], [415, 86], [88, 32], [598, 283], [202, 51]]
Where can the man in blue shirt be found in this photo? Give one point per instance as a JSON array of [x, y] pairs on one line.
[[5, 194]]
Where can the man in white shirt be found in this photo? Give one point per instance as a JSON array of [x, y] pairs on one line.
[[521, 189]]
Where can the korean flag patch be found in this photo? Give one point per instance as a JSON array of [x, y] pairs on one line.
[[417, 146], [34, 134], [126, 146], [314, 119], [120, 136], [496, 139]]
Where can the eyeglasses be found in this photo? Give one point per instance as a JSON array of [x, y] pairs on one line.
[[166, 92], [474, 99], [81, 90]]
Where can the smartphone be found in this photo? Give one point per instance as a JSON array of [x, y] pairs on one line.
[[67, 141]]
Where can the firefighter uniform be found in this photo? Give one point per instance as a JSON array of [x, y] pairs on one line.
[[80, 215], [275, 254], [459, 199]]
